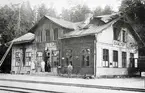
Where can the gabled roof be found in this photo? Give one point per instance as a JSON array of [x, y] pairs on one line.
[[93, 29], [60, 22], [24, 38]]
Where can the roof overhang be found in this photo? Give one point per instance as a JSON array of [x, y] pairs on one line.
[[26, 38]]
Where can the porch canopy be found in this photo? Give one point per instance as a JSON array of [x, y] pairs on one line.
[[26, 38]]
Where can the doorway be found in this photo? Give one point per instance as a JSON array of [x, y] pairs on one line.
[[52, 61]]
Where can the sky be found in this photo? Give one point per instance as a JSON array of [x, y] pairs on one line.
[[60, 4]]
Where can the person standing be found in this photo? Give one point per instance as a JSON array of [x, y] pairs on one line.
[[43, 66], [32, 67], [69, 69], [58, 70]]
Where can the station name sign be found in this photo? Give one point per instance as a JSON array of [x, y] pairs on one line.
[[118, 43]]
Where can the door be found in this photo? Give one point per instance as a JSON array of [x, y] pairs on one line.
[[53, 61]]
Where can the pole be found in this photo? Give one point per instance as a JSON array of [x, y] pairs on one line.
[[6, 53], [19, 19]]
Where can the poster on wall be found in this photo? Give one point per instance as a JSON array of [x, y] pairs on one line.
[[50, 46]]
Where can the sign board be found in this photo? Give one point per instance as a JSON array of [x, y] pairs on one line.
[[50, 46], [118, 43]]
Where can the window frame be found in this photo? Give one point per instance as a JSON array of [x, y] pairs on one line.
[[56, 34], [124, 59], [39, 58], [105, 58], [115, 58], [48, 38], [132, 61], [123, 36], [17, 57], [29, 56], [114, 33], [85, 57], [39, 36]]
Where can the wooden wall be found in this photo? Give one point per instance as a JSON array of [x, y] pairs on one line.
[[77, 44]]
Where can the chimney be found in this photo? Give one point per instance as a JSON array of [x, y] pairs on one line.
[[88, 18]]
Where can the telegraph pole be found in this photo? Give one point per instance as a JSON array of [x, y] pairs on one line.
[[19, 18]]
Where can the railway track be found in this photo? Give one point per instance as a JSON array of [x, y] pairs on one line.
[[11, 89]]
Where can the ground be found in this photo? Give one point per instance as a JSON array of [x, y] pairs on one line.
[[56, 84]]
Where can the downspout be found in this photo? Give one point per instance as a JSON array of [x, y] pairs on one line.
[[95, 56]]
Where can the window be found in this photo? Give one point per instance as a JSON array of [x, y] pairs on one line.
[[116, 33], [124, 36], [28, 58], [39, 57], [17, 58], [132, 63], [87, 60], [47, 35], [123, 59], [131, 55], [86, 57], [39, 38], [105, 58], [115, 58], [68, 56], [55, 33]]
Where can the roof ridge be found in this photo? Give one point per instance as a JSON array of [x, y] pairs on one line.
[[59, 19], [62, 22]]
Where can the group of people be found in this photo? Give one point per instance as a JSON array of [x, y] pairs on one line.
[[44, 68], [43, 65]]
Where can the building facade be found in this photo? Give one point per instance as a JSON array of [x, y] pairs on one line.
[[102, 45], [41, 44], [106, 49]]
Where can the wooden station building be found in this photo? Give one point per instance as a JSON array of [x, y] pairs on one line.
[[99, 45]]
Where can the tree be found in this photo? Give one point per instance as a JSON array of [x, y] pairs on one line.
[[76, 13], [65, 14], [8, 23], [107, 10], [42, 10], [15, 20], [99, 11], [26, 18], [133, 12]]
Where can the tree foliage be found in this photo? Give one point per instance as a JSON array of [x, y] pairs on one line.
[[99, 11], [42, 10], [8, 23], [134, 12], [78, 12], [15, 20]]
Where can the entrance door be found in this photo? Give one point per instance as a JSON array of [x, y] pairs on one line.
[[54, 60]]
